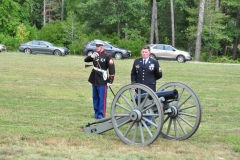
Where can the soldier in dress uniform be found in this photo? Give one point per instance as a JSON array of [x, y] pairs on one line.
[[146, 71], [102, 61]]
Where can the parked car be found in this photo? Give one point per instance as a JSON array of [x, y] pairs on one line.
[[42, 47], [2, 47], [117, 53], [164, 51]]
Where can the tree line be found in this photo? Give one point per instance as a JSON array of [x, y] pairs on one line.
[[209, 29]]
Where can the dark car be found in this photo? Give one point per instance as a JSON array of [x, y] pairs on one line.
[[168, 52], [42, 47], [117, 53], [2, 47]]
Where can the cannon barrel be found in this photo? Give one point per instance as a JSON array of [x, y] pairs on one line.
[[168, 95]]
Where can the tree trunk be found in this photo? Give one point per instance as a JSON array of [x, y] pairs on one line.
[[172, 20], [217, 5], [152, 22], [199, 30], [235, 44], [236, 39], [118, 23], [44, 12], [224, 50], [62, 11], [156, 26], [126, 35]]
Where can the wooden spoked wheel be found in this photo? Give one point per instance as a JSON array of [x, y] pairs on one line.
[[137, 118], [184, 116]]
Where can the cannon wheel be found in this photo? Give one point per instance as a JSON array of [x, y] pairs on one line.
[[186, 113], [130, 115]]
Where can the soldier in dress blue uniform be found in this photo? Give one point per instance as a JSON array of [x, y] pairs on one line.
[[146, 71], [102, 61]]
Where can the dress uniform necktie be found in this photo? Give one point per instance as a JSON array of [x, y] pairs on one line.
[[144, 63]]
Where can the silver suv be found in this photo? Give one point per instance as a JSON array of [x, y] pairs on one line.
[[114, 51], [164, 51]]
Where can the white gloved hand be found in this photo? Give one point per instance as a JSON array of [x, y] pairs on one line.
[[109, 84], [94, 55]]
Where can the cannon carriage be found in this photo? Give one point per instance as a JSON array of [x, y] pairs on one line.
[[139, 115]]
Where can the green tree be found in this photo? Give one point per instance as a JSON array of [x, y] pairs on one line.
[[9, 17], [22, 33], [52, 32], [232, 9], [130, 19]]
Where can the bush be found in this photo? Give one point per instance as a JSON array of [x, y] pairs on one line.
[[10, 42], [52, 32], [222, 59], [134, 46]]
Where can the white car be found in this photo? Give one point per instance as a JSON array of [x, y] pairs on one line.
[[164, 51], [2, 47]]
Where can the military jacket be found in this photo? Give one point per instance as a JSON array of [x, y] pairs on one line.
[[146, 74], [104, 62]]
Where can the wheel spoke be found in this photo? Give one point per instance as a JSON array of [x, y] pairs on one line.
[[175, 127], [123, 107], [185, 100], [187, 114], [135, 132], [181, 93], [129, 128], [166, 119], [144, 102], [125, 122], [127, 101], [181, 126], [149, 107], [132, 98], [142, 134], [149, 132], [146, 120], [181, 109], [169, 126], [121, 115], [186, 121]]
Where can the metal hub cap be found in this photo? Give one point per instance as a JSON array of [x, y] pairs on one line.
[[174, 111], [135, 115]]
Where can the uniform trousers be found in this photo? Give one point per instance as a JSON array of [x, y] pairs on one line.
[[99, 101]]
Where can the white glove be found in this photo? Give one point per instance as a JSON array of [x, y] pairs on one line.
[[109, 84], [94, 55]]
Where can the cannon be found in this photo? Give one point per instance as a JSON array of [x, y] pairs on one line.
[[139, 115]]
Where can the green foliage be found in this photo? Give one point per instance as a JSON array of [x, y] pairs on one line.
[[22, 34], [71, 28], [11, 42], [134, 46], [52, 32], [9, 17], [114, 21], [222, 59]]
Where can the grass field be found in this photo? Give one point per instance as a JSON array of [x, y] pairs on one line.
[[45, 99]]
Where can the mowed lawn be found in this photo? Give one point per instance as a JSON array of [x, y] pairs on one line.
[[44, 100]]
